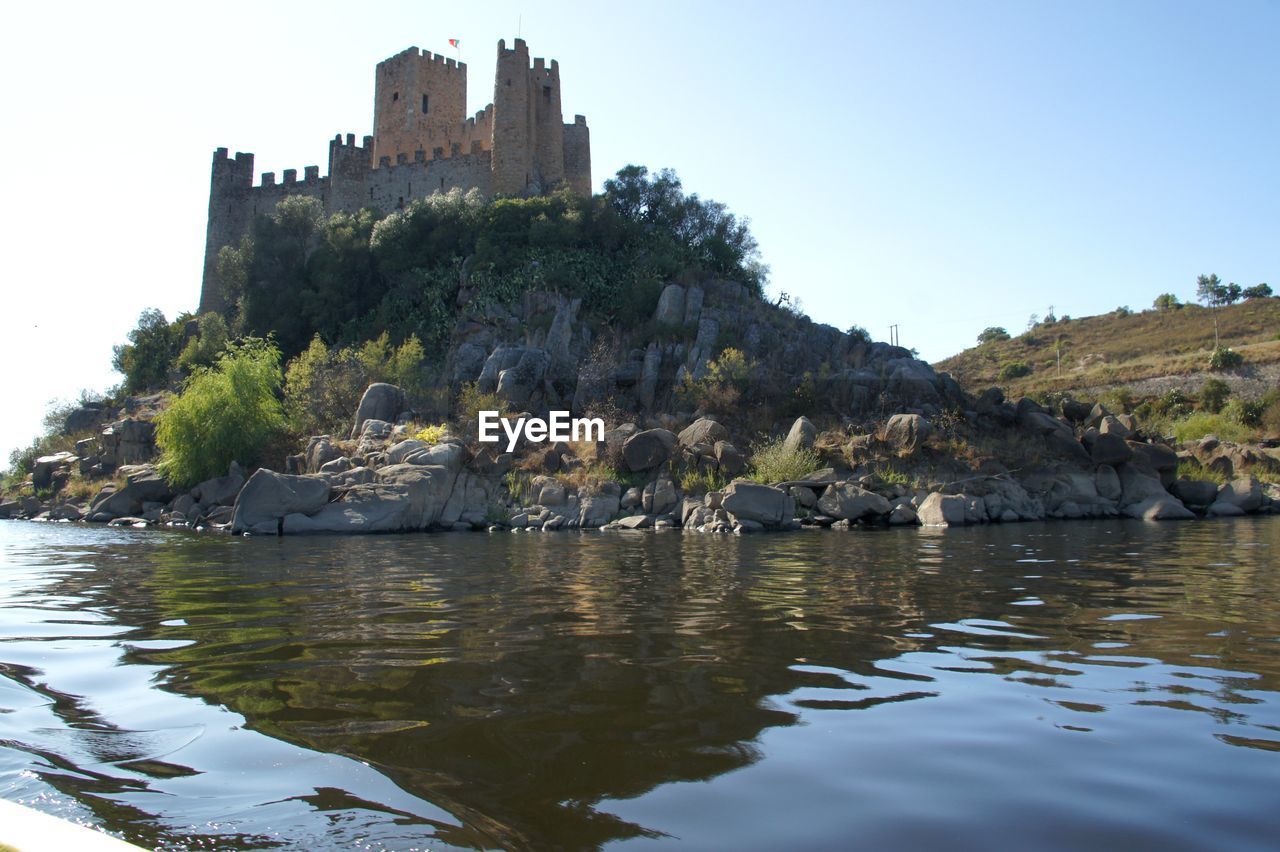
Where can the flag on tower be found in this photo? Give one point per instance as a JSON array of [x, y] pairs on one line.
[[453, 42]]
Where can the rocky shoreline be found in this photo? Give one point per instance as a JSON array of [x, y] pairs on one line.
[[380, 479]]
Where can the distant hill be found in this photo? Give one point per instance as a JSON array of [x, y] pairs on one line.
[[1151, 348]]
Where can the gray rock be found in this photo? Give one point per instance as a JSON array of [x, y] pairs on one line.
[[729, 459], [1195, 492], [268, 497], [381, 401], [1224, 509], [1107, 481], [648, 449], [338, 465], [633, 497], [1166, 508], [670, 310], [761, 503], [664, 496], [1246, 493], [1108, 449], [636, 522], [847, 501], [599, 507], [1139, 486], [704, 430], [942, 510], [903, 516], [801, 436], [1110, 425], [42, 470], [221, 490], [906, 432]]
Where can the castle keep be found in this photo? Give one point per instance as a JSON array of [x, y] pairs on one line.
[[422, 142]]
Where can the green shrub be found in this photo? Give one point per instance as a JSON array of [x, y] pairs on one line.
[[1013, 370], [1246, 412], [1225, 358], [1195, 426], [727, 378], [432, 434], [1192, 469], [1213, 395], [203, 349], [1174, 403], [1166, 302], [227, 412], [773, 462]]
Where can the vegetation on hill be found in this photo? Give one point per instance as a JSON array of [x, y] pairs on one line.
[[1059, 355], [323, 306]]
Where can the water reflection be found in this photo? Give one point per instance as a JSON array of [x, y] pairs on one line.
[[566, 691]]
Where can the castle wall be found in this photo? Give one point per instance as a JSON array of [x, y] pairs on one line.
[[229, 190]]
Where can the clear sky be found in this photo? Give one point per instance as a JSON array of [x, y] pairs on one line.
[[943, 166]]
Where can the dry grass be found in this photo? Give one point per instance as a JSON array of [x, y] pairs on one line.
[[1110, 349]]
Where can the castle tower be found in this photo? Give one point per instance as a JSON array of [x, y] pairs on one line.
[[534, 151], [229, 216], [419, 104]]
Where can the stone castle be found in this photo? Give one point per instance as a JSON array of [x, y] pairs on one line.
[[423, 142]]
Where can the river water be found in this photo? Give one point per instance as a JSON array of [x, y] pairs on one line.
[[1059, 686]]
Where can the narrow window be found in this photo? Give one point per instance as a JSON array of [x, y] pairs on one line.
[[546, 94], [424, 104], [395, 96]]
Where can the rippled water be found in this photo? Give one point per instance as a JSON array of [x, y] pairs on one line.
[[1099, 685]]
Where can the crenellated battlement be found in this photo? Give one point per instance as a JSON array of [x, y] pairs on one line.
[[423, 142]]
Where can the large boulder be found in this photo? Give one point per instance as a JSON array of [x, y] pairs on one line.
[[906, 432], [704, 430], [1111, 425], [599, 506], [221, 490], [729, 459], [847, 501], [801, 436], [1138, 485], [143, 484], [319, 452], [381, 401], [1166, 508], [943, 510], [670, 310], [44, 468], [1195, 492], [764, 504], [1244, 493], [268, 497], [1106, 448], [648, 449], [1107, 481], [128, 441]]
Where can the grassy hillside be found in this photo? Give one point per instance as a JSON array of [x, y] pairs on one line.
[[1115, 349]]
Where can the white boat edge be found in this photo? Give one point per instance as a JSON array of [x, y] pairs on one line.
[[28, 830]]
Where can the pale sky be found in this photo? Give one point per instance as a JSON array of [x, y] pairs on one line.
[[943, 166]]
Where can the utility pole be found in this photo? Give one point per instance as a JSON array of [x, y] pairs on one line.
[[893, 335]]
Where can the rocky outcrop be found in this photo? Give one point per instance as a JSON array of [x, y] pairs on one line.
[[269, 497], [648, 450]]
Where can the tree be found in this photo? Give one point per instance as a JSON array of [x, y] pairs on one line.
[[145, 360], [1211, 291], [1259, 291], [993, 333], [227, 412], [1166, 302], [1233, 293]]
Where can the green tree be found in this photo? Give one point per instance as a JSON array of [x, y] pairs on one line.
[[1166, 302], [227, 412], [992, 333], [145, 360], [1258, 291]]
